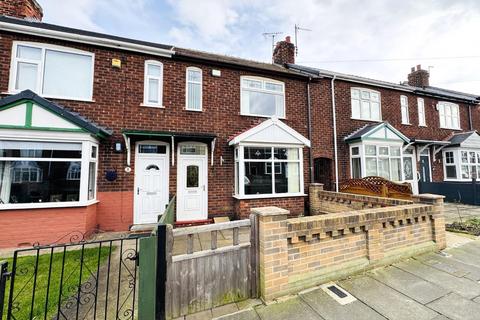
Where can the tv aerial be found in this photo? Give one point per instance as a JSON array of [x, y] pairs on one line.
[[272, 35], [297, 29]]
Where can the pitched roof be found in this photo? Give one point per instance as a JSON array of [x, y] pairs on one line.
[[369, 129], [73, 117], [458, 138]]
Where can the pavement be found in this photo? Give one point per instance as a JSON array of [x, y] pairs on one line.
[[460, 212]]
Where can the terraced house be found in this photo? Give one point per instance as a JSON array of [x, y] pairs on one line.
[[99, 132]]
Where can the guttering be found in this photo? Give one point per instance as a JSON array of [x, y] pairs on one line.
[[335, 147], [98, 41], [309, 115]]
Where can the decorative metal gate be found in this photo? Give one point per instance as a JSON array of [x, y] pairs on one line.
[[81, 280]]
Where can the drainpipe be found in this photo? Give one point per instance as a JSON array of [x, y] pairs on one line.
[[335, 147], [470, 117], [309, 108]]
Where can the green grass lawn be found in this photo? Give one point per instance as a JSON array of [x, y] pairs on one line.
[[24, 282]]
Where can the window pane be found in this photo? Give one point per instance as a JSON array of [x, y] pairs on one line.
[[472, 157], [355, 151], [194, 96], [449, 157], [355, 94], [27, 149], [396, 167], [194, 75], [451, 172], [92, 180], [193, 149], [464, 157], [192, 176], [408, 151], [258, 179], [374, 97], [287, 177], [408, 168], [375, 110], [274, 86], [285, 153], [152, 148], [30, 53], [356, 168], [153, 90], [26, 76], [365, 110], [365, 95], [383, 151], [34, 182], [68, 75], [355, 108], [263, 103], [252, 84], [371, 166], [154, 70], [384, 168], [465, 174], [395, 151], [370, 150], [257, 153]]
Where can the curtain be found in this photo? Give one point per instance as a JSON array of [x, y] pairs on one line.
[[6, 181], [293, 177]]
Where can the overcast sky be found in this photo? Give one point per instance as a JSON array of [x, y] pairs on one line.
[[380, 39]]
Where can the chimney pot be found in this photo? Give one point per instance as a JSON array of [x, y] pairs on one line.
[[287, 39], [419, 67], [413, 69]]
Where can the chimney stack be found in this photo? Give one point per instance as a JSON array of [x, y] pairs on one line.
[[284, 52], [418, 77], [23, 9]]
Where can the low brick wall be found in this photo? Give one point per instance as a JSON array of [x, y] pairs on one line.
[[302, 252], [324, 202]]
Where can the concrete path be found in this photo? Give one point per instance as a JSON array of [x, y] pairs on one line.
[[432, 286], [458, 212]]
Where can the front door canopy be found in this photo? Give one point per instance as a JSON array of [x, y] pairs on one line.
[[271, 131], [27, 110], [377, 131]]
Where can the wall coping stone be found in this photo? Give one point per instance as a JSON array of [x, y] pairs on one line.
[[270, 211]]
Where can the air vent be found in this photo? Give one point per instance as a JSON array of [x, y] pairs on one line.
[[337, 293]]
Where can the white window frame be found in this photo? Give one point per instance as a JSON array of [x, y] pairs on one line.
[[458, 163], [146, 87], [360, 99], [240, 181], [422, 122], [40, 71], [263, 90], [448, 117], [404, 109], [187, 107], [362, 155], [39, 136]]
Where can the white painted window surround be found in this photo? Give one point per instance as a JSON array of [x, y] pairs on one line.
[[153, 84], [366, 104], [404, 109], [194, 89], [421, 112], [449, 114], [262, 97], [461, 164], [52, 71]]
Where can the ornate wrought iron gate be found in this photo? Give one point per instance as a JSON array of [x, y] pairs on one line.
[[82, 280]]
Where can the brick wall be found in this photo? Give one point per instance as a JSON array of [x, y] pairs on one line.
[[302, 252], [21, 9]]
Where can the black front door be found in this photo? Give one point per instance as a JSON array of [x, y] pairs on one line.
[[425, 168]]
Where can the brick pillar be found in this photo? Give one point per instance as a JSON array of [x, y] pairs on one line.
[[437, 217], [273, 247], [375, 242], [314, 199]]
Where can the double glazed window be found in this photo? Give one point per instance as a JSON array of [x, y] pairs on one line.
[[46, 172], [365, 104], [461, 164], [379, 160], [153, 86], [449, 114], [194, 89], [262, 97], [421, 112], [52, 71], [254, 174], [404, 109]]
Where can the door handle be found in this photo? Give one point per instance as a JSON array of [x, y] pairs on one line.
[[204, 188], [418, 176], [138, 190]]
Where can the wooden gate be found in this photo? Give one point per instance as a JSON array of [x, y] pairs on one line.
[[210, 266]]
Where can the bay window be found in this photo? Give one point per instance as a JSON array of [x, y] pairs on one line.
[[52, 71], [365, 104], [39, 173], [264, 171], [449, 114], [378, 160], [461, 164], [262, 97]]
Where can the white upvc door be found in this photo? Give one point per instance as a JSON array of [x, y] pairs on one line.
[[410, 170], [192, 187], [151, 181]]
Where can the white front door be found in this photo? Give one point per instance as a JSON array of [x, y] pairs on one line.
[[192, 184], [410, 169], [151, 181]]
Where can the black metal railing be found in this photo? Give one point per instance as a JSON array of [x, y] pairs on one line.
[[83, 280]]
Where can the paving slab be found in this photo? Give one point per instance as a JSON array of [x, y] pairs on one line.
[[293, 307], [248, 314], [451, 265], [409, 284], [249, 303], [456, 307], [330, 309], [465, 287], [477, 299], [204, 315], [223, 310], [385, 300]]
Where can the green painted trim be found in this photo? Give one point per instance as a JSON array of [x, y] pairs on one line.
[[14, 104], [147, 133], [28, 115], [42, 128]]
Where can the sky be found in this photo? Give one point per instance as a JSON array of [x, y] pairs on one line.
[[380, 39]]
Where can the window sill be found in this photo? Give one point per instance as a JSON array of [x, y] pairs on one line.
[[152, 105], [54, 97], [406, 124], [267, 196], [46, 205], [422, 125], [369, 120], [456, 129], [262, 116], [186, 109]]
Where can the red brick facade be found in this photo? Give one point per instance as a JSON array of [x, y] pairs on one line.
[[21, 9]]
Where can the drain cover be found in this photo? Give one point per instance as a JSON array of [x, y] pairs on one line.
[[337, 293]]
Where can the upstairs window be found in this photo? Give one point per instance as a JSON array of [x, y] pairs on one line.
[[52, 71], [365, 104], [194, 89], [153, 87], [262, 97], [421, 112], [449, 115], [404, 109]]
